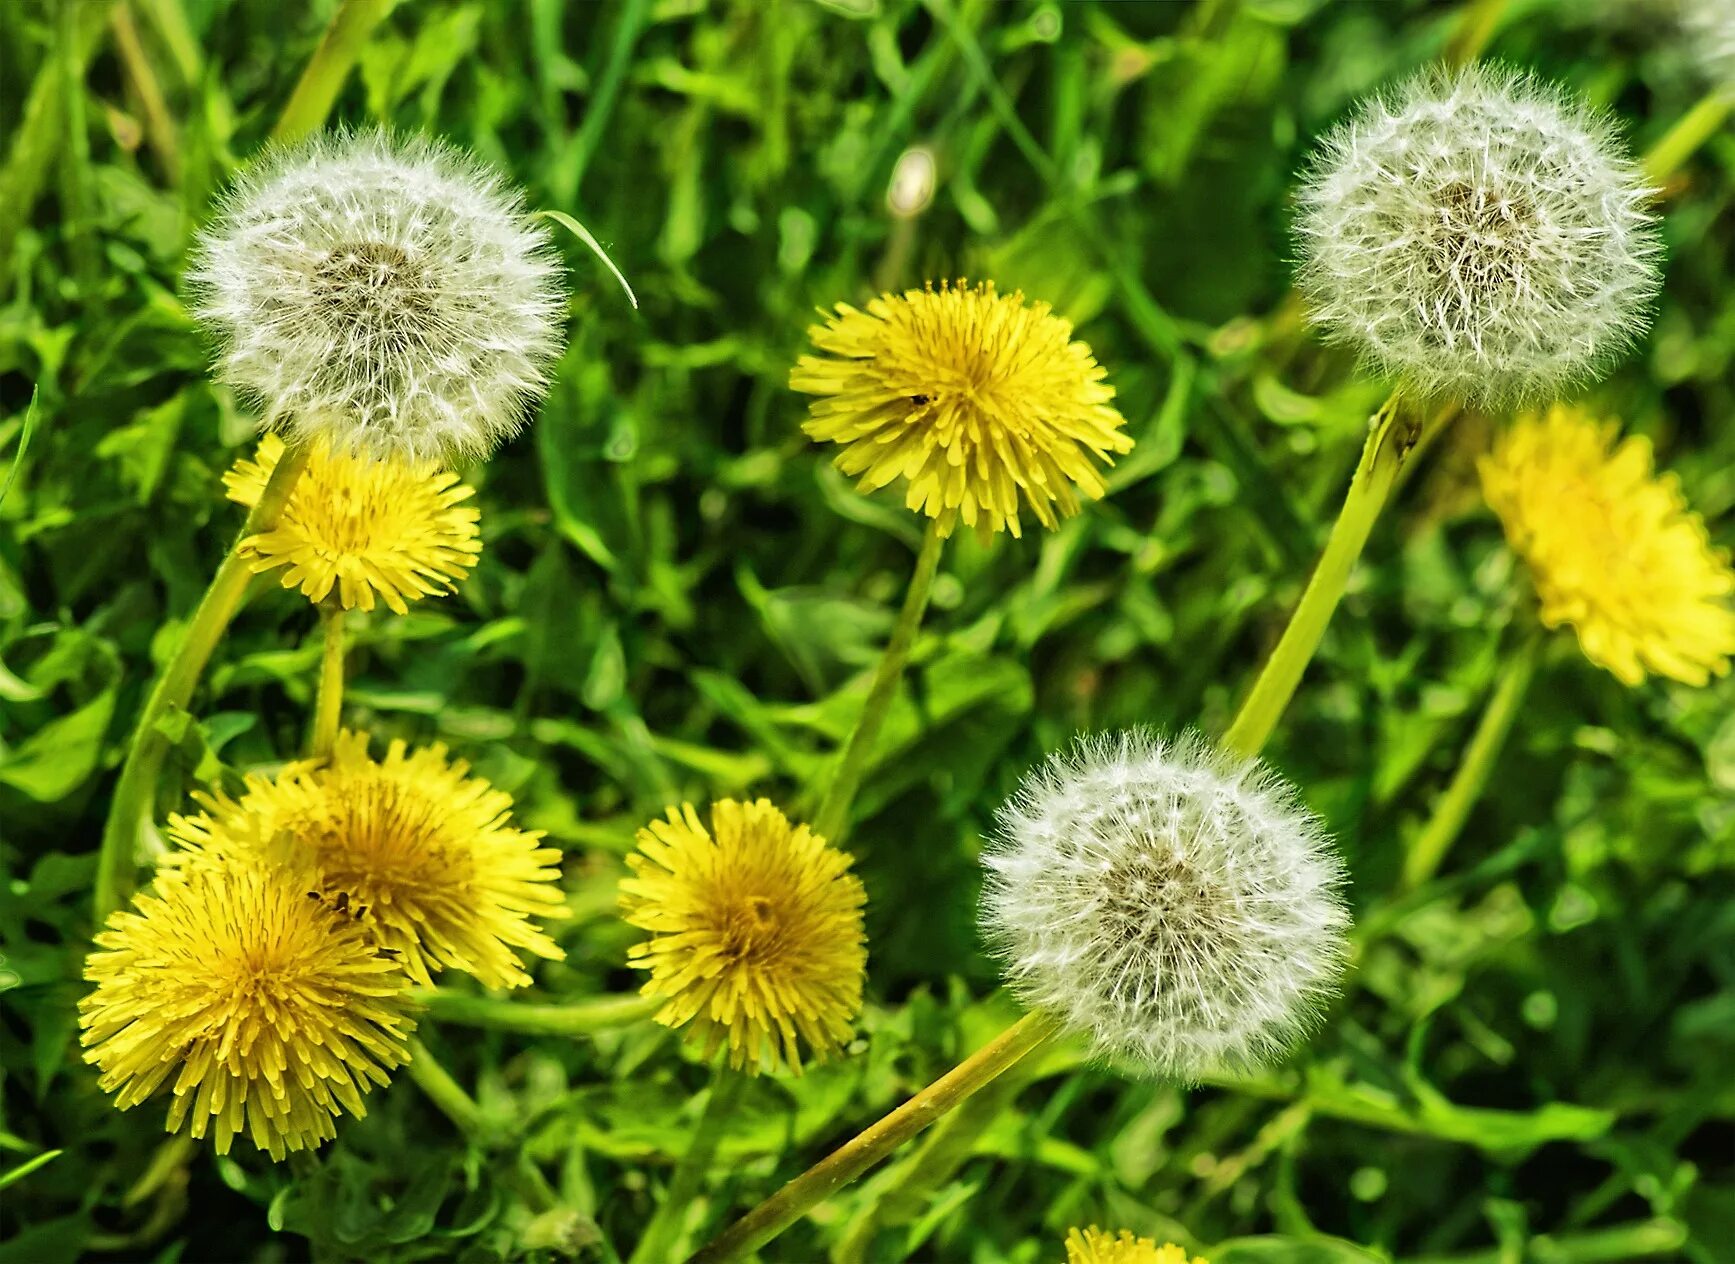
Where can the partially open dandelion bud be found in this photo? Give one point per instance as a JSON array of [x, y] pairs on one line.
[[382, 293], [423, 856], [1176, 905], [1612, 547], [1480, 235], [361, 525], [973, 397], [756, 932], [267, 1013], [1098, 1246]]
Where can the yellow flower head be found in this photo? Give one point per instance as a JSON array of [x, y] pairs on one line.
[[272, 1012], [971, 396], [1097, 1246], [756, 932], [362, 525], [423, 856], [1612, 547]]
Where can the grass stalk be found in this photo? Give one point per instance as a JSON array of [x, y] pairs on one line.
[[665, 1226], [1688, 133], [326, 72]]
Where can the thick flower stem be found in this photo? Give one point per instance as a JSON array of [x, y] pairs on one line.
[[683, 1186], [446, 1093], [1453, 807], [1388, 447], [831, 821], [328, 707], [323, 78], [135, 791], [854, 1157], [1690, 131], [574, 1018]]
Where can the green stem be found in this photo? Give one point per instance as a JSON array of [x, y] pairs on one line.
[[575, 1018], [328, 707], [323, 78], [136, 790], [831, 821], [1453, 807], [1690, 131], [666, 1221], [855, 1156], [1388, 447], [447, 1094], [1477, 24], [1619, 1244]]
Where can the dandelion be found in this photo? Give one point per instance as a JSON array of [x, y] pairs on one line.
[[362, 525], [974, 398], [273, 1013], [1178, 906], [383, 293], [1710, 30], [1612, 547], [421, 853], [1478, 234], [756, 932], [1098, 1246]]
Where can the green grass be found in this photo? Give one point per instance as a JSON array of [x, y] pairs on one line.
[[680, 598]]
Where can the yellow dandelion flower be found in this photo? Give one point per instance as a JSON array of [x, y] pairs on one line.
[[971, 396], [273, 1013], [756, 932], [421, 853], [1098, 1246], [1612, 547], [363, 526]]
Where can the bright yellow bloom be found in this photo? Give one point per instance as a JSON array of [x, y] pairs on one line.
[[362, 525], [969, 395], [421, 854], [1612, 547], [272, 1012], [1097, 1246], [756, 932]]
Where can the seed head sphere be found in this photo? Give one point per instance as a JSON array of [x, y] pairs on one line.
[[1478, 235]]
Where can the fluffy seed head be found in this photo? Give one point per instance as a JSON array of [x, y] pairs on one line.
[[271, 1012], [1710, 29], [1612, 547], [1098, 1246], [1177, 906], [383, 293], [1480, 235]]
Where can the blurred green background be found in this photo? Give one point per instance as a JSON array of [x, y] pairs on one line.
[[679, 598]]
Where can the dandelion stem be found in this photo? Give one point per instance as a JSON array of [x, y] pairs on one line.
[[574, 1018], [323, 78], [831, 821], [855, 1156], [683, 1185], [447, 1094], [328, 709], [136, 789], [1453, 807], [1477, 23], [1388, 447], [1690, 131]]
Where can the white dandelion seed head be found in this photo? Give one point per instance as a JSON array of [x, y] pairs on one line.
[[385, 293], [1178, 906], [1478, 234]]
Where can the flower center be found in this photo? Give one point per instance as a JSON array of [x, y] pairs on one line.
[[375, 290], [750, 929], [381, 842]]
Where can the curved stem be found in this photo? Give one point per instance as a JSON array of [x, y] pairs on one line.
[[1453, 806], [1690, 131], [1388, 447], [137, 787], [328, 708], [323, 78], [446, 1093], [831, 821], [574, 1018], [665, 1223], [854, 1157]]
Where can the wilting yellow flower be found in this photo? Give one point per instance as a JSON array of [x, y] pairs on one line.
[[272, 1012], [1612, 547], [756, 932], [363, 525], [421, 854], [1097, 1246], [969, 395]]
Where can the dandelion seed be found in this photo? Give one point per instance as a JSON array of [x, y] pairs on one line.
[[1098, 1246], [974, 398], [362, 525], [416, 850], [1478, 234], [385, 294], [1177, 906], [1612, 547], [268, 1014], [756, 932]]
